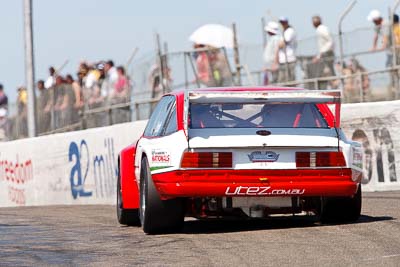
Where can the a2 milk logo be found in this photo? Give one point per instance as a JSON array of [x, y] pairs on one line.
[[100, 169], [77, 177]]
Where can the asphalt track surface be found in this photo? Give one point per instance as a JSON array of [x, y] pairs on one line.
[[90, 235]]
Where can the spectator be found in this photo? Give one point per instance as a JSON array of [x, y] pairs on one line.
[[121, 87], [356, 81], [382, 33], [203, 65], [396, 35], [93, 81], [77, 91], [287, 52], [4, 125], [120, 95], [60, 103], [75, 98], [154, 81], [220, 68], [22, 99], [111, 77], [43, 113], [270, 52], [51, 79], [3, 98], [82, 72], [326, 50], [361, 81]]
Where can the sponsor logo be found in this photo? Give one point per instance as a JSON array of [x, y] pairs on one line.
[[160, 156], [18, 176], [261, 191], [267, 156]]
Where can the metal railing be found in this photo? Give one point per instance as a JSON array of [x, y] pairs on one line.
[[371, 82]]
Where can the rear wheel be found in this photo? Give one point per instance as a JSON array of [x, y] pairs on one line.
[[156, 215], [125, 216], [341, 209]]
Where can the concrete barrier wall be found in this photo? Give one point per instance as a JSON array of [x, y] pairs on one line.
[[70, 168], [80, 167], [377, 126]]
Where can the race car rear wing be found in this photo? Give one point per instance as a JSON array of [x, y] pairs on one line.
[[329, 98], [287, 96]]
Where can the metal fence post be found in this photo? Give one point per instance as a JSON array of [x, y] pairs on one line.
[[264, 36], [160, 62], [30, 68], [137, 115], [342, 16], [236, 54], [186, 71]]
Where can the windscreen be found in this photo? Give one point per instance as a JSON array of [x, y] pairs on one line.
[[255, 115]]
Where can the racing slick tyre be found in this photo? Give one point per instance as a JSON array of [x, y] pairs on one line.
[[125, 216], [156, 215], [341, 209]]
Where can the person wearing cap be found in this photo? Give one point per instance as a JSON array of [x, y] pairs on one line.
[[381, 32], [270, 52], [3, 98], [287, 52], [325, 50]]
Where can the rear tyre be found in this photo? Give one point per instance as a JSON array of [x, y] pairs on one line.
[[156, 215], [125, 216], [341, 209]]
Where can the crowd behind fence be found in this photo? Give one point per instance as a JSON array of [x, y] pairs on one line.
[[104, 94]]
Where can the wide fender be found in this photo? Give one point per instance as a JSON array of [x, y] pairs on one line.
[[129, 185]]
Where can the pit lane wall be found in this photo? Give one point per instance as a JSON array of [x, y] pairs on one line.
[[81, 167]]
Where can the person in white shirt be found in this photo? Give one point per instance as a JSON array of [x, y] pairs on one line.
[[326, 52], [51, 80], [270, 52], [382, 32], [287, 52], [111, 79]]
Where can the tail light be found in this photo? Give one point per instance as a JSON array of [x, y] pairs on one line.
[[320, 159], [206, 160]]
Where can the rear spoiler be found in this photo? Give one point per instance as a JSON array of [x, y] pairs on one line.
[[287, 96], [330, 97]]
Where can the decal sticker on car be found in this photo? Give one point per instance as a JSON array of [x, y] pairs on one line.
[[160, 160], [160, 157], [266, 156], [260, 191]]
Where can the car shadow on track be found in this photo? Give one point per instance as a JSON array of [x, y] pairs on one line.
[[284, 222]]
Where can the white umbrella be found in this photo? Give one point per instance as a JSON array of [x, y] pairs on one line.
[[214, 35]]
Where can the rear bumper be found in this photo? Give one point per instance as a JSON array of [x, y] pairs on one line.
[[220, 183]]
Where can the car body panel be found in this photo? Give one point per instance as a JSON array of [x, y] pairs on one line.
[[130, 191], [222, 183]]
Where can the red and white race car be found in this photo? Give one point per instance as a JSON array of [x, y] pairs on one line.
[[247, 152]]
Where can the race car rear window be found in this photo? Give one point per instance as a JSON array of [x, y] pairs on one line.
[[271, 115]]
